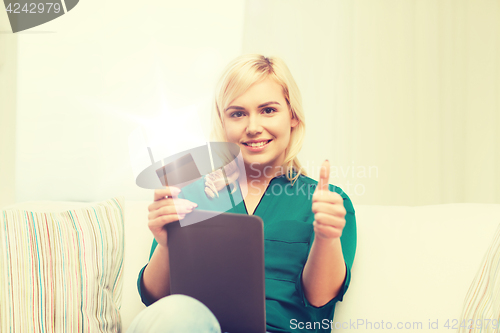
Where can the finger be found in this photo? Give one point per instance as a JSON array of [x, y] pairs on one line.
[[235, 175], [220, 183], [168, 191], [210, 185], [173, 202], [212, 181], [219, 180], [161, 221], [326, 231], [170, 210], [329, 220], [170, 201], [160, 203], [209, 193], [324, 175], [328, 208], [231, 167], [214, 175], [234, 189], [327, 196]]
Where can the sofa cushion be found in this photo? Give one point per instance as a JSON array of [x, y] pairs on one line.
[[61, 267], [415, 265]]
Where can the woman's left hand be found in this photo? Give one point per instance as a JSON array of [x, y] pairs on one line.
[[215, 182], [328, 208]]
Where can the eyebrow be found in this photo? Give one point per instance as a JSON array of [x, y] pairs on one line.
[[242, 108]]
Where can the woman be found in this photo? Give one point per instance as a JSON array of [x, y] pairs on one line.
[[258, 107]]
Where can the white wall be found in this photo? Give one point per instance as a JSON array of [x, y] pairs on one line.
[[406, 91], [8, 60], [86, 78], [410, 89]]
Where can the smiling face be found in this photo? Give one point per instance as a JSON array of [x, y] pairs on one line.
[[260, 114]]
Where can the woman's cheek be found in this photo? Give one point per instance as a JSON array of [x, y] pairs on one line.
[[231, 137], [233, 133]]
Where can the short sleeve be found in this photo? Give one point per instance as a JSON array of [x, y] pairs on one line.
[[140, 280], [140, 287], [338, 298], [349, 236]]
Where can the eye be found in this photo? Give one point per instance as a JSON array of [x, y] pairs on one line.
[[269, 109], [235, 113]]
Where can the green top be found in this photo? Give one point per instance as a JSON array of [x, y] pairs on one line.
[[288, 236]]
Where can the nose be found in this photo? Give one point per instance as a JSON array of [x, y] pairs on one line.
[[253, 127]]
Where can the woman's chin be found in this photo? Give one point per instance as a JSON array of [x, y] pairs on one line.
[[258, 163]]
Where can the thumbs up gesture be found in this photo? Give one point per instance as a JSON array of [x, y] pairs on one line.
[[328, 208]]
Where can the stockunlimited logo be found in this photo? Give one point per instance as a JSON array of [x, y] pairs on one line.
[[28, 14]]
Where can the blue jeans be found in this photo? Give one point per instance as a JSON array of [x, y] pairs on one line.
[[175, 313]]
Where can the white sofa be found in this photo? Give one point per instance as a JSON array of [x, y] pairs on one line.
[[412, 264]]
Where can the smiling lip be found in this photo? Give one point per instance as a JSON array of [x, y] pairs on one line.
[[256, 141], [258, 148]]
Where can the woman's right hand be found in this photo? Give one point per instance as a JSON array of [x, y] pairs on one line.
[[165, 209]]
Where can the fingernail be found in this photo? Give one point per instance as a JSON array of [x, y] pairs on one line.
[[175, 190], [194, 204]]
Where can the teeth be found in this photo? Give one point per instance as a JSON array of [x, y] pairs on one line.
[[260, 144]]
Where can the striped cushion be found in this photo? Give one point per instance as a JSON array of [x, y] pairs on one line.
[[481, 308], [62, 271]]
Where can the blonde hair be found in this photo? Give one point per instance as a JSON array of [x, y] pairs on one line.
[[238, 76]]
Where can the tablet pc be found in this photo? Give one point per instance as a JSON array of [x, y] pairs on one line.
[[220, 262]]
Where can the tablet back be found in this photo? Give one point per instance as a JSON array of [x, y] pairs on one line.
[[220, 262]]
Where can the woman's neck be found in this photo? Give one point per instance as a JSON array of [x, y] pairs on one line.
[[258, 178], [262, 174]]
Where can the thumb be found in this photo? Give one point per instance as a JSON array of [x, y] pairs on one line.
[[324, 175]]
